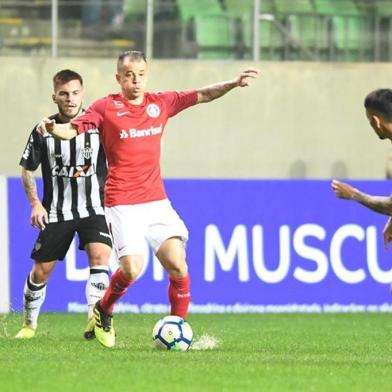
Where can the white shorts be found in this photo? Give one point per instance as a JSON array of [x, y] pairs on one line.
[[132, 225]]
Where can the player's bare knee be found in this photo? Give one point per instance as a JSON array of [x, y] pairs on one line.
[[99, 259], [98, 255], [131, 266], [131, 273], [39, 275], [179, 270]]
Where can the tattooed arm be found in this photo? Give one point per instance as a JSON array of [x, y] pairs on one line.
[[39, 216], [381, 204], [217, 90]]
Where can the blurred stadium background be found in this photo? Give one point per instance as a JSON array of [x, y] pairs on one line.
[[296, 127], [318, 59]]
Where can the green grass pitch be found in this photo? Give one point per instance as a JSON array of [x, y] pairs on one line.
[[270, 352]]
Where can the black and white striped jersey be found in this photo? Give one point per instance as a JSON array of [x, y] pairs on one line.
[[73, 171]]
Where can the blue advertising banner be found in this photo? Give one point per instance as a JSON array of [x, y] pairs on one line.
[[255, 246]]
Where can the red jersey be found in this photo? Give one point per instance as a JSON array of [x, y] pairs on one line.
[[131, 136]]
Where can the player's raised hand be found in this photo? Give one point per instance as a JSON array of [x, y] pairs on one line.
[[45, 126], [39, 216], [343, 190], [244, 77]]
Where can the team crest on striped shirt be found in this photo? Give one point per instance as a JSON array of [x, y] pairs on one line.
[[87, 152]]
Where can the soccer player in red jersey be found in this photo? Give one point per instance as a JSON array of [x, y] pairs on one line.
[[131, 125], [378, 105]]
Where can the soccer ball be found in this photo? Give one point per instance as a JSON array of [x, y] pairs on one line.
[[172, 333]]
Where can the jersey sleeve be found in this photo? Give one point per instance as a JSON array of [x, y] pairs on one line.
[[92, 118], [32, 155], [178, 101]]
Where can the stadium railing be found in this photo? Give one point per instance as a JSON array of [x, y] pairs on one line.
[[318, 30]]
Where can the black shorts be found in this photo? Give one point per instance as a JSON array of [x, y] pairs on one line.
[[53, 242]]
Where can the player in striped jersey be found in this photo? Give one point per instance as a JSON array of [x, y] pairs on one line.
[[73, 174]]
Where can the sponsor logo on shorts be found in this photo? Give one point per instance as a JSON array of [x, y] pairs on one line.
[[104, 234], [37, 245], [153, 110]]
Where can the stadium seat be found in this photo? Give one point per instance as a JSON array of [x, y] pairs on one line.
[[310, 31], [214, 36], [337, 7], [294, 7], [271, 41], [189, 9], [10, 26], [134, 9], [347, 32], [270, 37], [242, 8], [348, 37], [383, 30], [383, 8], [206, 30], [304, 27], [350, 33]]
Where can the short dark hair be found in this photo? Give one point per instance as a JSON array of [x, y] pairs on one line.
[[133, 55], [65, 76], [380, 101]]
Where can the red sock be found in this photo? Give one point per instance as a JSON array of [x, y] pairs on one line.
[[117, 288], [179, 296]]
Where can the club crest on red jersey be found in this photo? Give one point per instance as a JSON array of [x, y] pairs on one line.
[[153, 110], [118, 104]]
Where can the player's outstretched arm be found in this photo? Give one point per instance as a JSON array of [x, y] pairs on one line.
[[217, 90], [59, 131], [39, 216], [381, 204]]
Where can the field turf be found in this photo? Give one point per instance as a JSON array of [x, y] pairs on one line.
[[281, 352]]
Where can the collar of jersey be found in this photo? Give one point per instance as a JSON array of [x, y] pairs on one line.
[[130, 105]]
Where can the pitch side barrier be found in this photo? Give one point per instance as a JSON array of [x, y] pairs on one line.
[[256, 246], [4, 248]]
